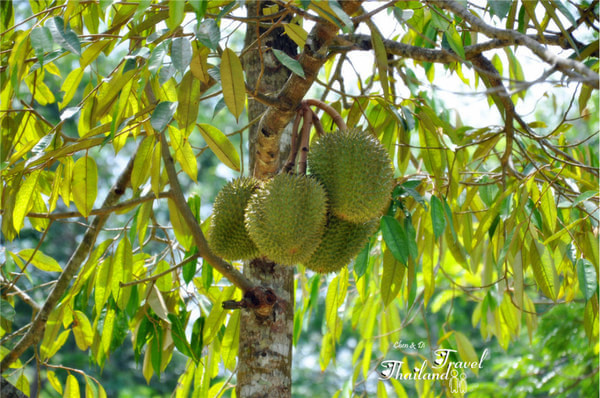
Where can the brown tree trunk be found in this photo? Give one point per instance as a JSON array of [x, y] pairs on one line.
[[265, 349]]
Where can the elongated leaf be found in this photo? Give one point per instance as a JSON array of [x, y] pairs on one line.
[[544, 270], [107, 331], [54, 382], [67, 39], [70, 86], [289, 63], [183, 152], [296, 33], [380, 59], [395, 238], [41, 41], [392, 277], [85, 181], [142, 163], [438, 219], [24, 199], [588, 280], [548, 207], [72, 387], [176, 14], [208, 33], [181, 51], [82, 331], [162, 115], [40, 260], [180, 228], [197, 342], [188, 97], [220, 145], [232, 80], [455, 41], [465, 350]]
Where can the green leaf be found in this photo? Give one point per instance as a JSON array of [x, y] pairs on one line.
[[220, 145], [41, 41], [548, 207], [142, 162], [178, 334], [395, 238], [67, 39], [500, 8], [361, 261], [455, 41], [465, 350], [162, 115], [588, 280], [197, 337], [181, 51], [544, 270], [208, 33], [381, 59], [391, 278], [232, 81], [84, 185], [24, 199], [188, 97], [289, 63], [438, 219], [176, 14], [40, 260]]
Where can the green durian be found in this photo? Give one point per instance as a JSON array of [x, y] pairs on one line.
[[227, 236], [286, 218], [356, 171], [341, 242]]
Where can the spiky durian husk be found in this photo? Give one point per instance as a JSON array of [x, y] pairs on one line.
[[356, 172], [341, 242], [286, 218], [227, 236]]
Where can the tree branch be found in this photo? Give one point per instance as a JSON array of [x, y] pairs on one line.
[[226, 269], [38, 325], [279, 115], [567, 66]]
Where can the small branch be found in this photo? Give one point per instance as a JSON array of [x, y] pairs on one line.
[[226, 269], [291, 161], [22, 295], [155, 277], [567, 66], [307, 118], [102, 210], [318, 125], [337, 118], [36, 330]]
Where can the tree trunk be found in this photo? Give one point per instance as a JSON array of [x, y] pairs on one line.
[[265, 349]]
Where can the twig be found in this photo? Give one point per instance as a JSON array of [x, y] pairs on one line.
[[304, 140], [330, 111]]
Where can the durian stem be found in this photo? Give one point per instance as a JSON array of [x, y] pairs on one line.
[[318, 126], [307, 119], [291, 160], [226, 269], [337, 118]]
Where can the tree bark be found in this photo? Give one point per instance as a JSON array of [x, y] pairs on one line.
[[265, 349]]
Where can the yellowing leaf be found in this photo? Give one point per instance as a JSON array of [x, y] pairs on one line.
[[122, 272], [199, 65], [103, 286], [142, 163], [82, 331], [70, 86], [188, 98], [465, 350], [24, 199], [40, 260], [544, 270], [296, 33], [72, 389], [380, 58], [107, 330], [220, 145], [92, 51], [548, 207], [392, 277], [180, 228], [232, 80], [85, 180], [183, 153], [54, 382]]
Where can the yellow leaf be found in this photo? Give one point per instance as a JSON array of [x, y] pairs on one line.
[[103, 286], [180, 228], [92, 52], [24, 199], [72, 389], [155, 171], [183, 153], [188, 96], [165, 282], [296, 33], [107, 330], [85, 180], [199, 65], [67, 179], [548, 207], [142, 163], [544, 270], [109, 92], [82, 331], [23, 384], [220, 145], [51, 347], [40, 260], [70, 86], [54, 382], [232, 80]]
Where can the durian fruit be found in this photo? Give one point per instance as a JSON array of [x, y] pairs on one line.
[[286, 218], [342, 241], [356, 172], [227, 236]]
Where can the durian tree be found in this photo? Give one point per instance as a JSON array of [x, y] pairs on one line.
[[404, 177]]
